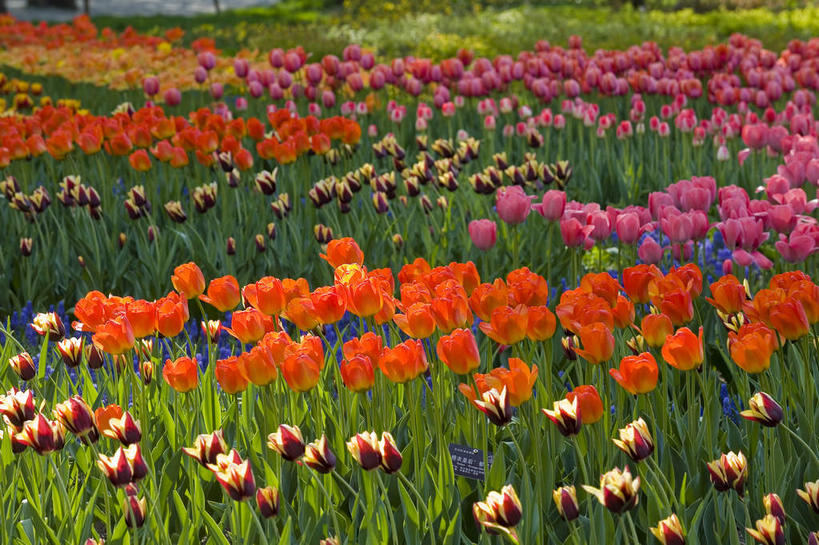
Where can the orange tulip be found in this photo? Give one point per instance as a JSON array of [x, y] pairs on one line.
[[266, 295], [602, 285], [467, 275], [247, 326], [369, 344], [637, 374], [258, 365], [486, 298], [636, 280], [785, 280], [518, 379], [451, 312], [459, 351], [752, 346], [365, 297], [691, 276], [541, 323], [91, 311], [114, 336], [346, 275], [104, 415], [223, 293], [188, 280], [228, 373], [301, 312], [578, 308], [589, 404], [623, 313], [387, 311], [527, 288], [789, 319], [329, 304], [656, 328], [343, 251], [807, 293], [403, 362], [415, 292], [676, 304], [413, 271], [301, 371], [728, 295], [597, 341], [171, 314], [140, 161], [684, 350], [181, 374], [357, 373], [507, 325], [417, 321], [142, 316]]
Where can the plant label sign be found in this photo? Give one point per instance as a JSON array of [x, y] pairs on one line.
[[468, 461]]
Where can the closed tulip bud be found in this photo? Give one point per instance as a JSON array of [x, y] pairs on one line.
[[669, 531], [235, 475], [25, 246], [768, 531], [92, 541], [763, 409], [635, 440], [212, 329], [729, 471], [397, 241], [618, 491], [380, 202], [442, 203], [267, 499], [496, 406], [125, 429], [365, 450], [153, 232], [230, 246], [565, 499], [271, 231], [810, 495], [266, 181], [565, 416], [17, 407], [322, 233], [175, 211], [121, 240], [391, 458], [77, 417], [569, 344], [93, 356], [318, 456], [426, 204], [287, 441], [146, 371], [774, 506], [48, 323], [139, 469], [233, 178], [23, 365], [506, 505], [134, 511]]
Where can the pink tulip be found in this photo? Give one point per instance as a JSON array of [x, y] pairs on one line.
[[796, 248], [650, 252], [513, 204], [150, 85], [552, 205], [781, 218], [172, 96], [484, 233], [628, 227], [217, 90], [573, 232], [240, 68], [601, 225]]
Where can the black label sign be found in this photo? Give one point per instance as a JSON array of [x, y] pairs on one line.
[[468, 462]]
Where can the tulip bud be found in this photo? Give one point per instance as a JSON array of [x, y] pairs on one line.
[[318, 456], [233, 178], [496, 406], [175, 211], [153, 231], [565, 416], [207, 447], [774, 506], [134, 511], [266, 181], [391, 458], [506, 505], [116, 468], [212, 329], [125, 429], [813, 538], [235, 475], [768, 531], [330, 541], [146, 371], [810, 495], [271, 231], [763, 409], [617, 492], [380, 202], [569, 344], [81, 261], [23, 365], [25, 246], [442, 203], [93, 356], [230, 248], [669, 531], [426, 204], [635, 440], [77, 417], [121, 240], [565, 499], [729, 471], [365, 450], [397, 240], [267, 499], [48, 323], [287, 441]]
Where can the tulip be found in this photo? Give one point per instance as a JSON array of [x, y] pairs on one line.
[[364, 449], [459, 351], [403, 362], [391, 458], [810, 495], [223, 293], [357, 373], [650, 252], [318, 456], [763, 409], [617, 492], [48, 323], [258, 365], [728, 295], [287, 441], [171, 315], [484, 233], [637, 374], [181, 374], [597, 341], [752, 346], [636, 280], [134, 510], [768, 531], [43, 435], [207, 447], [565, 499], [789, 319], [589, 404], [365, 297], [683, 350], [116, 468], [23, 365], [114, 336], [235, 475], [301, 370], [417, 320], [513, 204], [71, 350], [211, 329], [188, 280], [507, 325], [267, 499], [729, 471], [635, 440], [76, 416], [248, 326], [656, 328], [566, 416], [495, 405], [774, 506], [17, 407], [267, 295], [139, 469], [104, 415], [669, 531], [552, 205]]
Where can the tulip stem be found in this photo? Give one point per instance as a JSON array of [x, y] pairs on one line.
[[386, 500], [423, 505], [330, 505], [63, 492], [258, 524], [633, 529], [802, 442]]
